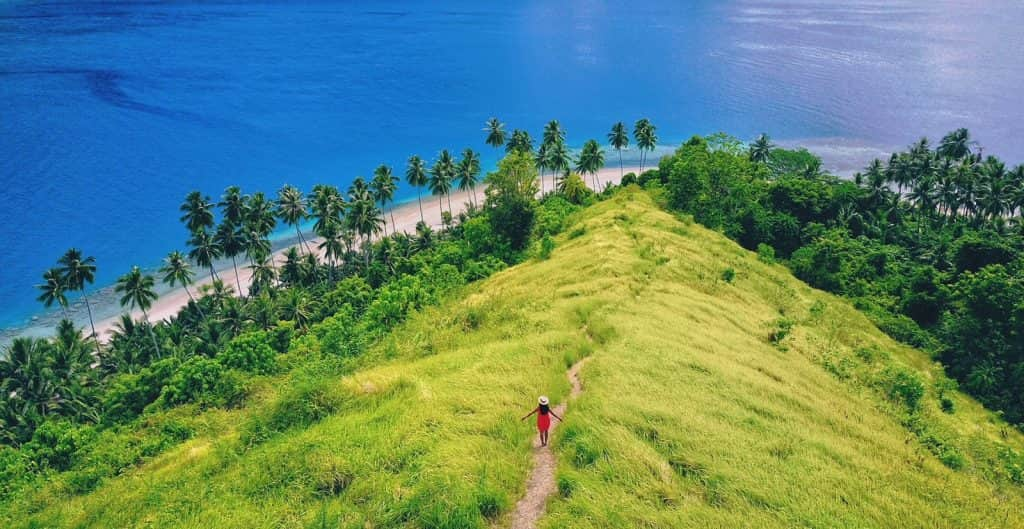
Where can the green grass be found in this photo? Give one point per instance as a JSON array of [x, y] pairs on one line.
[[697, 411]]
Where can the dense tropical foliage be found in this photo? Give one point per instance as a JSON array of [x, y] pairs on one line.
[[930, 243]]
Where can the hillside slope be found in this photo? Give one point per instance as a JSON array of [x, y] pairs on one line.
[[748, 402]]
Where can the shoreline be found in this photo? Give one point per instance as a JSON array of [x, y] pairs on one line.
[[107, 313]]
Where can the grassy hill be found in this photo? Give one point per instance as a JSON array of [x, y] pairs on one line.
[[720, 392]]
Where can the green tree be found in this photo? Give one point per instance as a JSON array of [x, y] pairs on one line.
[[468, 171], [618, 138], [510, 198], [52, 291], [291, 208], [205, 250], [177, 271], [761, 149], [233, 205], [232, 243], [519, 141], [590, 161], [197, 212], [956, 145], [442, 173], [495, 133], [136, 290], [645, 137], [76, 271], [416, 175], [384, 185]]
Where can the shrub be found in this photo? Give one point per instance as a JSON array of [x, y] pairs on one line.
[[55, 443], [903, 386], [204, 381], [628, 179], [780, 330], [728, 274], [129, 394], [339, 334], [249, 352], [947, 404], [566, 485], [765, 253], [547, 245]]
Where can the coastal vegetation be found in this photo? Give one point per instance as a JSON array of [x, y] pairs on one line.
[[271, 390]]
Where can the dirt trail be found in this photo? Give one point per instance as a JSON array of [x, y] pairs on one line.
[[541, 484]]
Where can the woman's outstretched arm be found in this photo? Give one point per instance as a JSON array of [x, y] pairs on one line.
[[552, 412], [529, 414]]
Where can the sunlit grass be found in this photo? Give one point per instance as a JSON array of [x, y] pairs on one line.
[[691, 416]]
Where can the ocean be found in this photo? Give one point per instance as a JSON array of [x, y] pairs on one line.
[[110, 112]]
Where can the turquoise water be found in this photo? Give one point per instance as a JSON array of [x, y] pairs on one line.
[[111, 112]]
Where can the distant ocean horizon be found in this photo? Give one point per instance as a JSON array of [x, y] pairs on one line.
[[111, 112]]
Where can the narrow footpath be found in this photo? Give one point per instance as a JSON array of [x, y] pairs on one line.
[[541, 484]]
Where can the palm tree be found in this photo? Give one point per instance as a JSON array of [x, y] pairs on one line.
[[553, 133], [591, 161], [384, 185], [232, 205], [76, 270], [327, 205], [543, 162], [559, 160], [176, 270], [296, 306], [259, 215], [993, 193], [52, 290], [291, 207], [205, 250], [519, 141], [232, 243], [618, 138], [366, 220], [645, 137], [761, 149], [441, 175], [263, 277], [469, 171], [495, 133], [416, 173], [136, 290], [332, 245], [197, 211], [956, 145]]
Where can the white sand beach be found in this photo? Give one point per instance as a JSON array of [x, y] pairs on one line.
[[406, 216]]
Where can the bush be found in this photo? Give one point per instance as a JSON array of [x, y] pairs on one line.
[[249, 352], [55, 443], [780, 330], [765, 253], [204, 381], [628, 179], [728, 275], [903, 386], [129, 394], [340, 335], [547, 245]]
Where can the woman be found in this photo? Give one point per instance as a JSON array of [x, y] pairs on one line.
[[543, 421]]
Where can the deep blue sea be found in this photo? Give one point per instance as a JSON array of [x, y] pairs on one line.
[[111, 111]]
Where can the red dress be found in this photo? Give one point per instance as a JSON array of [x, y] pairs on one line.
[[543, 420]]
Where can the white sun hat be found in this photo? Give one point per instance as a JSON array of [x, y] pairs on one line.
[[543, 400]]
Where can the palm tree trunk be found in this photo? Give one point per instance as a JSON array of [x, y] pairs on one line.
[[238, 281], [88, 309], [193, 300], [620, 164], [450, 210], [440, 205], [152, 335], [394, 227], [419, 198], [302, 239], [476, 201]]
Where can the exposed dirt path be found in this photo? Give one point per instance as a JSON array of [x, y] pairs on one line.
[[541, 484]]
